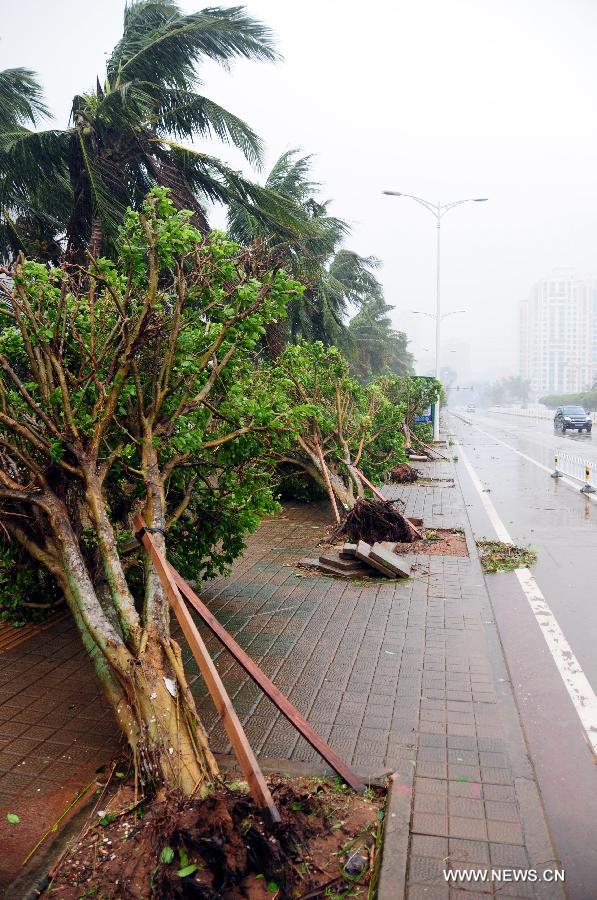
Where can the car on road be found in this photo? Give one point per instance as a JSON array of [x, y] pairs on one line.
[[471, 407], [572, 417]]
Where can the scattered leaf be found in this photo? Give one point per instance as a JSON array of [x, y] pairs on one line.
[[188, 870], [498, 556], [167, 855]]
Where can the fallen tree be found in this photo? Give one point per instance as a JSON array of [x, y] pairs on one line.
[[132, 388], [346, 427]]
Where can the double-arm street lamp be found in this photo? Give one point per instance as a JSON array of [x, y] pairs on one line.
[[438, 210]]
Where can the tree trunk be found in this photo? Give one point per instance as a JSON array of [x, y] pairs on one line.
[[157, 713], [138, 665], [313, 468], [97, 237], [276, 338]]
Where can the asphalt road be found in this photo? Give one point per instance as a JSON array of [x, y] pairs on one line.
[[554, 518], [504, 465]]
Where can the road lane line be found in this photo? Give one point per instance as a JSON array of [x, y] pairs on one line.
[[563, 478], [577, 684]]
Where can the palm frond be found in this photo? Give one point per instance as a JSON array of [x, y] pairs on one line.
[[169, 52], [185, 114], [21, 98]]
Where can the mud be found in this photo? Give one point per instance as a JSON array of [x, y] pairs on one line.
[[221, 847]]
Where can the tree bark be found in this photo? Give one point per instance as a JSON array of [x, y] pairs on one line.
[[138, 665]]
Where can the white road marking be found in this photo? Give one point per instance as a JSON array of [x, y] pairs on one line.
[[563, 479], [576, 682]]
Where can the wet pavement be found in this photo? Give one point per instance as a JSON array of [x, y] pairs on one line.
[[561, 524], [406, 676], [540, 511]]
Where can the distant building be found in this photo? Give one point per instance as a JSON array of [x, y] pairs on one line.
[[558, 334]]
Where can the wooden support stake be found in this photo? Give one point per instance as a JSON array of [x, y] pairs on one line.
[[371, 487], [268, 687], [248, 763]]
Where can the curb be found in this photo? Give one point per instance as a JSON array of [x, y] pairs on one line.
[[34, 879], [394, 857]]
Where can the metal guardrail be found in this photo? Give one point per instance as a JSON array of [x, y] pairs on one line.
[[530, 412], [577, 468]]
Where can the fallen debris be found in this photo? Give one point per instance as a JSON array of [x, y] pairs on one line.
[[364, 553], [498, 556], [403, 474], [377, 520], [221, 848]]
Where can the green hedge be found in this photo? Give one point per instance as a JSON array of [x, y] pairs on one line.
[[588, 399]]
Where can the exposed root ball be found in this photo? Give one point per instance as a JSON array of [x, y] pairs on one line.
[[403, 474], [377, 520]]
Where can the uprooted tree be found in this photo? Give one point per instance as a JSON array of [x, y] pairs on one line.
[[347, 427], [127, 388]]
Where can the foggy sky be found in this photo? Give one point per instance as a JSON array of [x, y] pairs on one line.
[[440, 98]]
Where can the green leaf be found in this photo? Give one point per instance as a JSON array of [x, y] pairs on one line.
[[105, 820], [272, 887], [183, 857], [119, 774], [12, 819], [188, 870], [167, 855], [380, 815]]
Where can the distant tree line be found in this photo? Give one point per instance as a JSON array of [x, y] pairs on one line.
[[587, 399]]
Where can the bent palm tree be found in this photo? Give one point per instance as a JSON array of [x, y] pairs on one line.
[[128, 134], [335, 278]]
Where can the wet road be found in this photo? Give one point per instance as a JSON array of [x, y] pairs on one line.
[[547, 621], [553, 517]]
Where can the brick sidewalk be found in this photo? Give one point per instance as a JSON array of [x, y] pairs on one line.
[[403, 676]]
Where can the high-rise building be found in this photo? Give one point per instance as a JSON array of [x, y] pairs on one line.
[[558, 333]]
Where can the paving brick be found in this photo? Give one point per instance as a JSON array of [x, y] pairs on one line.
[[431, 803], [473, 829], [428, 892], [428, 845], [502, 812], [468, 851], [426, 869], [505, 832], [467, 807], [508, 855], [428, 823]]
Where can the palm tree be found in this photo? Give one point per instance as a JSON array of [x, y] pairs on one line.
[[128, 134], [378, 348], [335, 278]]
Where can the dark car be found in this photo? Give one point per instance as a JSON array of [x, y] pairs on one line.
[[574, 417]]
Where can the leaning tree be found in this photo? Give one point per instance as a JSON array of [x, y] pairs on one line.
[[128, 388], [345, 428]]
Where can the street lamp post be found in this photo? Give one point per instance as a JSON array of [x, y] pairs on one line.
[[438, 210]]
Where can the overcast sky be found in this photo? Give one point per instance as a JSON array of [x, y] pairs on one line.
[[440, 98]]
